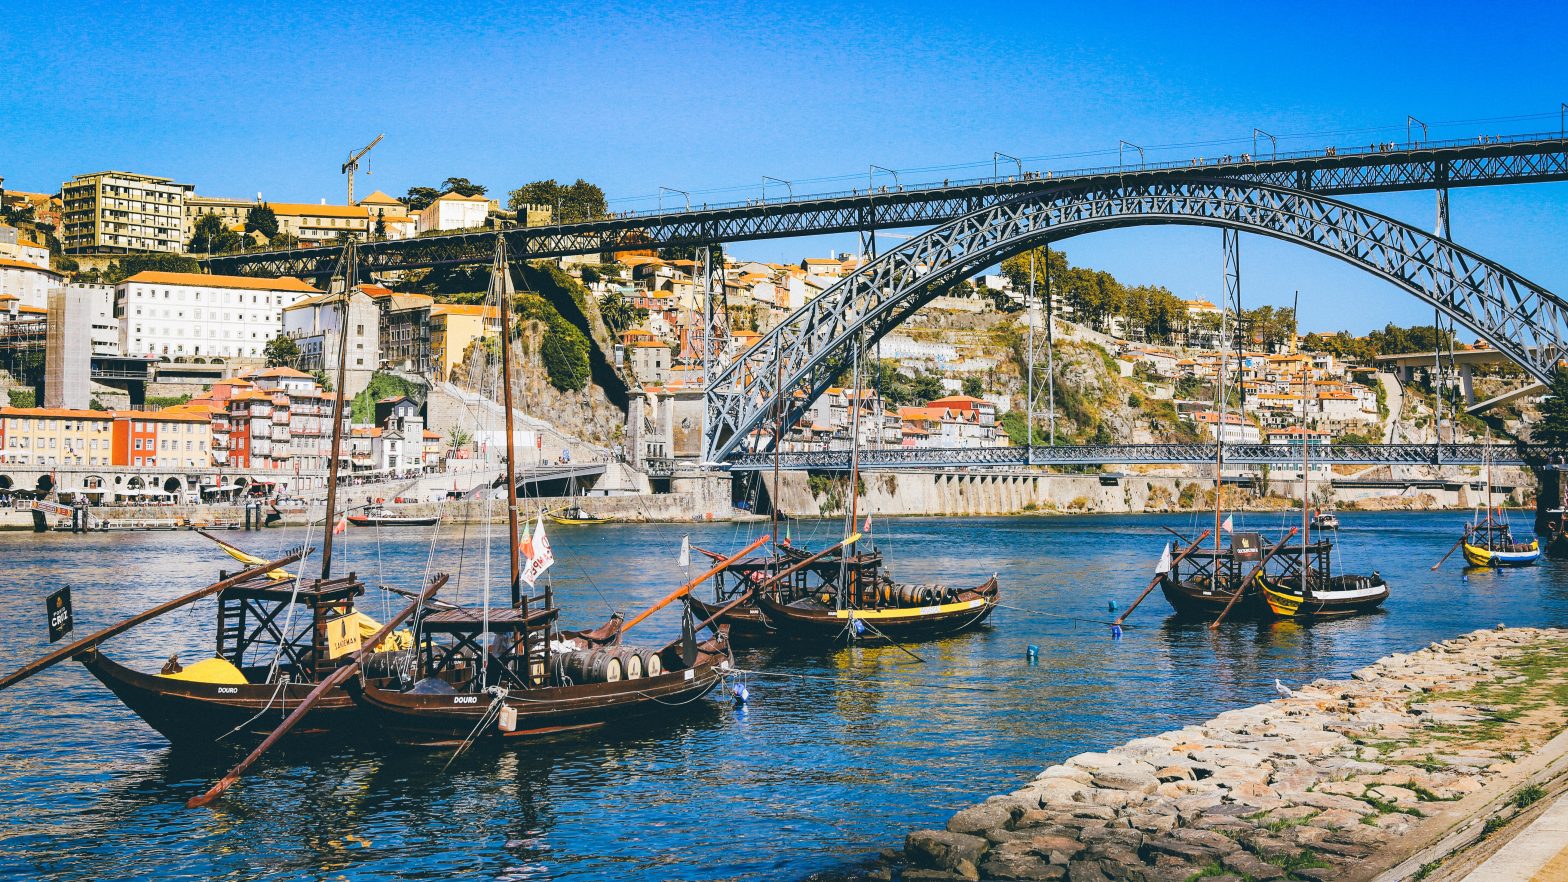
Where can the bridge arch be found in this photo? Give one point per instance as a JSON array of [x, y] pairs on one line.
[[1522, 320]]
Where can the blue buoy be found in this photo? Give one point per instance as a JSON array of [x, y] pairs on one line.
[[742, 695], [860, 628], [1116, 632], [1111, 605], [1032, 654]]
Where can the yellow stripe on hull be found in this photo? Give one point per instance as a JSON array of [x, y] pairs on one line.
[[959, 606], [1281, 604], [1477, 556]]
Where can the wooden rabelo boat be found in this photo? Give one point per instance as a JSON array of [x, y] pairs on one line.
[[377, 516], [1489, 542], [493, 674], [278, 635]]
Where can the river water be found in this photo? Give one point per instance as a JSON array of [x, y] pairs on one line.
[[813, 776]]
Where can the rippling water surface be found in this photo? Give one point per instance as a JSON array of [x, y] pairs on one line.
[[815, 774]]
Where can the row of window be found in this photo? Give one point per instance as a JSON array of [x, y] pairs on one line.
[[136, 292]]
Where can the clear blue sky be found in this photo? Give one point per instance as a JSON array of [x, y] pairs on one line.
[[269, 97]]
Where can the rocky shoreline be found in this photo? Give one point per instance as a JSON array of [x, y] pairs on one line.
[[1335, 781]]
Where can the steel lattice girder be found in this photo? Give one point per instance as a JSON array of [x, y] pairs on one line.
[[1146, 454], [1522, 320], [1525, 161]]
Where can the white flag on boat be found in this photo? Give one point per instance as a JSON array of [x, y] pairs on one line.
[[1228, 526], [686, 551], [1164, 566], [539, 556]]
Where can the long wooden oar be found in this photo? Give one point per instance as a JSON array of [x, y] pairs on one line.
[[1242, 589], [66, 652], [1158, 576], [331, 681], [684, 589], [1454, 549], [770, 581]]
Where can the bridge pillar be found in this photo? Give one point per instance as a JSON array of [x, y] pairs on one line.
[[1467, 383]]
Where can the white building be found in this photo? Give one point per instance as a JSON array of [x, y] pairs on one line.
[[315, 325], [105, 327], [28, 282], [192, 314], [15, 246], [454, 211]]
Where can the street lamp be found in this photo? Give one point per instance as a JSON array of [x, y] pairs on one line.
[[872, 176], [1273, 143], [1412, 120], [767, 178], [663, 188], [1000, 155], [1120, 144]]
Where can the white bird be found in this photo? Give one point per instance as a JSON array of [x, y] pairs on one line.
[[1282, 689]]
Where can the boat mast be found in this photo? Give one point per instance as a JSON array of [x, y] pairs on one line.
[[347, 263], [501, 278], [1219, 450], [1306, 482], [854, 476], [778, 432]]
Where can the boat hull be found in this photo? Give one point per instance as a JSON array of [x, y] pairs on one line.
[[823, 624], [746, 621], [1348, 596], [193, 714], [1478, 556], [1190, 598], [446, 720]]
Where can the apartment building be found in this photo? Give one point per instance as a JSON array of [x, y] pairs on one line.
[[55, 436], [119, 212], [161, 439], [453, 211], [192, 314], [15, 246], [28, 282], [314, 323], [231, 211], [405, 330], [453, 328], [320, 223]]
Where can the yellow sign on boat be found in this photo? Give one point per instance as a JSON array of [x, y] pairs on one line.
[[904, 612], [343, 636]]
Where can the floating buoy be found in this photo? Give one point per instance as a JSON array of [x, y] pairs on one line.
[[1116, 632], [1032, 654], [742, 695], [1111, 605], [860, 627]]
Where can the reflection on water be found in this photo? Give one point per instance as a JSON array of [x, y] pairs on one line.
[[818, 771]]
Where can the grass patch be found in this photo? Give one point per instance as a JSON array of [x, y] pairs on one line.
[[1213, 869], [1426, 870], [1276, 826], [1386, 808], [1301, 860], [1424, 794], [1493, 824], [1527, 795]]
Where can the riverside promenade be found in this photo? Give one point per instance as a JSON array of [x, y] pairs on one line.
[[1422, 766]]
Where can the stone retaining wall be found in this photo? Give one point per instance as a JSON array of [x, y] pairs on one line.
[[1306, 787]]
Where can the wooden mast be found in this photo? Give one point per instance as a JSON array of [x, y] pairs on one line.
[[854, 479], [1306, 484], [501, 273], [350, 274]]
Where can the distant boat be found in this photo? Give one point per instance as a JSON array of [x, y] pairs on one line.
[[1490, 543], [576, 514], [1325, 520], [376, 516]]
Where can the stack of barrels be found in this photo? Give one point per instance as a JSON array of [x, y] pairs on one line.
[[610, 664]]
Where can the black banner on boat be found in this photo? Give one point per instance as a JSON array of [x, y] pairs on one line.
[[59, 605]]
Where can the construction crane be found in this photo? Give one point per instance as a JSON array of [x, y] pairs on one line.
[[353, 165]]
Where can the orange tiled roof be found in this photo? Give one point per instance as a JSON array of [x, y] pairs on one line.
[[249, 283]]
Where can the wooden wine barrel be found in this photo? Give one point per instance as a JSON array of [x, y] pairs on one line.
[[592, 666], [631, 662], [652, 665]]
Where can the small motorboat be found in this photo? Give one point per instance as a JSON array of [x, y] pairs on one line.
[[576, 514], [378, 516], [1325, 520]]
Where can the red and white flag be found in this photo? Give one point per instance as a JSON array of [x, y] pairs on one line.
[[539, 556], [867, 527], [1229, 525], [340, 527]]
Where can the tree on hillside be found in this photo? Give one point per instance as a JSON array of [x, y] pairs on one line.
[[973, 387], [1553, 428], [157, 261], [420, 197], [262, 219], [620, 314], [284, 240], [462, 187], [213, 236], [282, 351], [579, 201]]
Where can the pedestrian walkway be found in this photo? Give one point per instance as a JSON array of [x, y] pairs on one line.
[[1538, 854]]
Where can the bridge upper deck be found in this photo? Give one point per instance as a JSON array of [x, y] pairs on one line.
[[1331, 171]]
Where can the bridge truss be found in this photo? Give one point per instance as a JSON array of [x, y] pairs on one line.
[[1522, 320], [1143, 454]]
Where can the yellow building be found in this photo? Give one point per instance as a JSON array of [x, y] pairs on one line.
[[119, 212], [320, 223], [51, 436], [453, 327]]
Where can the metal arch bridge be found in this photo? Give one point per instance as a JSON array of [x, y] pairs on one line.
[[1331, 171], [1143, 454], [815, 343]]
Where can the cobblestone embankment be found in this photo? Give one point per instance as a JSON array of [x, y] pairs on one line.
[[1339, 781]]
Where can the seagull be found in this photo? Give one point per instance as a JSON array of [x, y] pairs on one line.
[[1282, 689]]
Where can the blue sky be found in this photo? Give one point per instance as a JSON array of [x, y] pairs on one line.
[[708, 97]]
